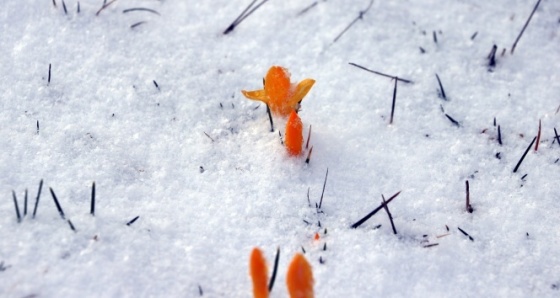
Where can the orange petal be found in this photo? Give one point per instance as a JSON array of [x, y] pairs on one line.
[[294, 135], [300, 278], [256, 95], [301, 90], [259, 274], [277, 88]]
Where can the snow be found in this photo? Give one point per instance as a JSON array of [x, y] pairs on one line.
[[205, 201]]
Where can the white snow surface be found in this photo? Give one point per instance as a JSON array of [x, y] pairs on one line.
[[101, 118]]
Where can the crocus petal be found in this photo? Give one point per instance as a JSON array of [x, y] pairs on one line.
[[256, 95], [301, 90]]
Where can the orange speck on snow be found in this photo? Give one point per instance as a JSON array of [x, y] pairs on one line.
[[294, 134], [316, 236], [281, 96], [300, 278], [259, 274]]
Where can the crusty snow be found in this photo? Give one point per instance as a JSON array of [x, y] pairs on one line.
[[196, 161]]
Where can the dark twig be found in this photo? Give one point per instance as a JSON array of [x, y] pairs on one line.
[[141, 9], [524, 154], [270, 118], [434, 36], [274, 270], [389, 214], [359, 17], [492, 56], [372, 213], [37, 199], [442, 92], [393, 105], [2, 267], [49, 78], [64, 7], [308, 200], [37, 126], [323, 192], [380, 73], [309, 155], [132, 220], [92, 209], [54, 3], [307, 8], [308, 138], [247, 12], [556, 136], [474, 35], [25, 204], [455, 122], [156, 84], [71, 226], [538, 137], [431, 245], [209, 137], [200, 292], [525, 26], [137, 24], [78, 9], [16, 205], [465, 233], [57, 204], [499, 135], [105, 5], [468, 206], [238, 19]]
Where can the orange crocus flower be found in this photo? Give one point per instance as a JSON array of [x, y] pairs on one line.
[[281, 96]]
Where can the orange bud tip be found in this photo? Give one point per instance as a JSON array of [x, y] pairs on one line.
[[259, 274], [300, 278], [293, 135]]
